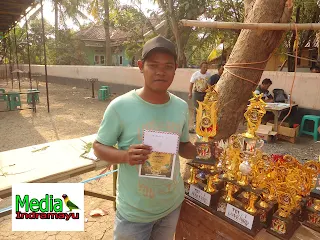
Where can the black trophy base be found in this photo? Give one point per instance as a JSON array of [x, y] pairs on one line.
[[214, 197], [312, 219], [283, 228], [266, 212], [221, 212]]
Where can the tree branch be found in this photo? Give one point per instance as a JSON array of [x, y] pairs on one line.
[[287, 12]]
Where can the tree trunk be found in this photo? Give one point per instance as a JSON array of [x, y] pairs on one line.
[[177, 36], [251, 46], [291, 63], [107, 33], [56, 21]]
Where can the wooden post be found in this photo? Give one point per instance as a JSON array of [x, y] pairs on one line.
[[45, 55]]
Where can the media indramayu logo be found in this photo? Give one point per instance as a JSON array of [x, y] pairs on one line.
[[48, 207], [45, 208]]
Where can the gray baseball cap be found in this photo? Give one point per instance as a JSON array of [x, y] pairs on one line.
[[160, 43]]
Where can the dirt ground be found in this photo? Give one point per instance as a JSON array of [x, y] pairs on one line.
[[74, 114]]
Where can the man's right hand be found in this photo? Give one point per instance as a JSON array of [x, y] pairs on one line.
[[190, 95], [137, 154]]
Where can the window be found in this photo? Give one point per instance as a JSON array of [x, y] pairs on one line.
[[102, 60], [120, 60]]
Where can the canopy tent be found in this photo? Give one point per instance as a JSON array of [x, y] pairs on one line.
[[11, 12]]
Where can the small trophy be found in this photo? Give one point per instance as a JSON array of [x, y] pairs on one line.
[[285, 221], [312, 210], [267, 205]]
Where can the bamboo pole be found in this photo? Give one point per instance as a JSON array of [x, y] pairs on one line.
[[252, 26]]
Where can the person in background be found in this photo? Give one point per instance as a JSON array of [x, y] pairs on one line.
[[315, 69], [263, 88], [215, 77], [146, 208], [198, 86]]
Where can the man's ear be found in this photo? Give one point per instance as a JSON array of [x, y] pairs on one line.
[[140, 65]]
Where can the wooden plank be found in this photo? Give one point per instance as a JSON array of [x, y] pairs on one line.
[[61, 160], [196, 223]]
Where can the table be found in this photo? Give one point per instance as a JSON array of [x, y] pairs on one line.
[[196, 223], [34, 108], [56, 161], [276, 109]]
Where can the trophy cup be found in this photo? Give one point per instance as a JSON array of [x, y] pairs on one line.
[[204, 183], [284, 221], [267, 205], [311, 214], [293, 184], [206, 125], [240, 195], [229, 162]]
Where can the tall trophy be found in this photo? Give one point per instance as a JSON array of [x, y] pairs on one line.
[[204, 183], [241, 195], [206, 127]]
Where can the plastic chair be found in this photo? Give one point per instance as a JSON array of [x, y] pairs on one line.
[[316, 120], [29, 96], [14, 101], [102, 94], [107, 88]]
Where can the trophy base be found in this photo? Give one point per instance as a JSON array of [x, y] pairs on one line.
[[242, 214], [283, 228], [312, 218], [205, 153], [266, 213], [198, 195]]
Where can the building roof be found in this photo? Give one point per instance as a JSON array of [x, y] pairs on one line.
[[97, 33], [11, 11]]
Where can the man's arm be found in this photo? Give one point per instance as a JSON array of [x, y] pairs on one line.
[[190, 90], [136, 154], [187, 150], [213, 80], [270, 98], [109, 154]]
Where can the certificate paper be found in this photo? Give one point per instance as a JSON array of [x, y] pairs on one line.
[[159, 165], [164, 142], [162, 159]]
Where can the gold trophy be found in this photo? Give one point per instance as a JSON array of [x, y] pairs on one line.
[[311, 214], [206, 127], [204, 173], [284, 221], [242, 154]]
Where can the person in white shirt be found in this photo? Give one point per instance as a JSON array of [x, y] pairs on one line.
[[198, 87]]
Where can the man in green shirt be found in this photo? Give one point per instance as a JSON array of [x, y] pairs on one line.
[[147, 208]]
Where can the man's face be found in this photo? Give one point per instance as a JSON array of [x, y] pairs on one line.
[[204, 68], [220, 71], [158, 70], [265, 86]]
